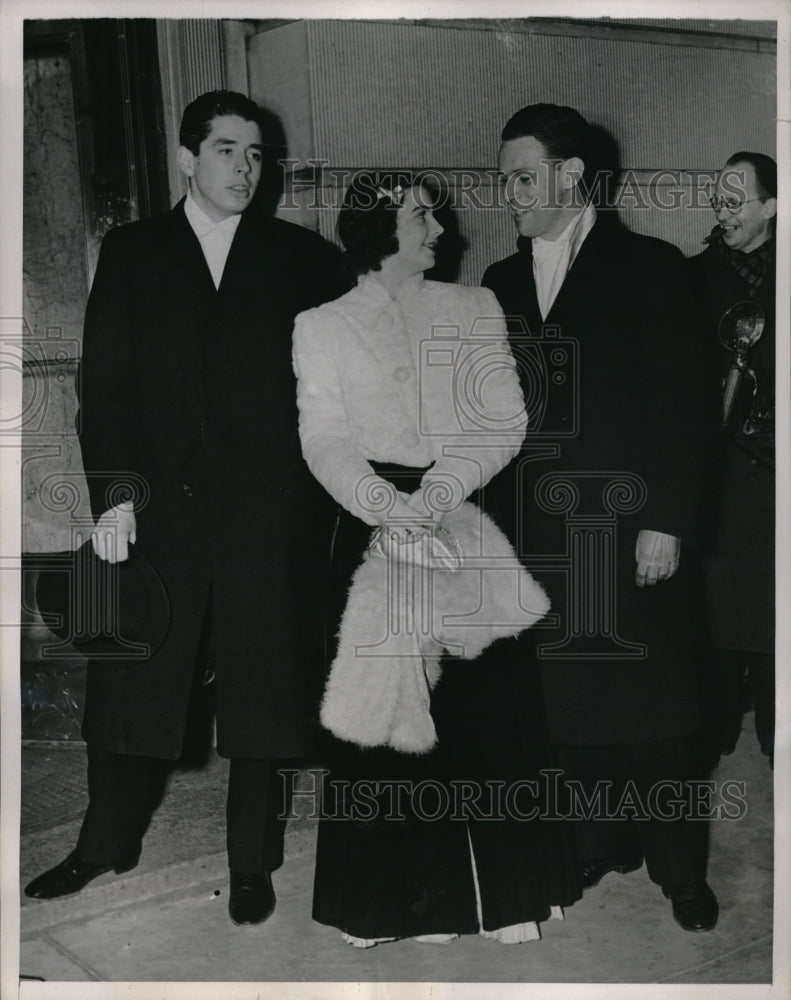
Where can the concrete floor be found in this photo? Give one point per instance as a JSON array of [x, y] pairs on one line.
[[167, 920]]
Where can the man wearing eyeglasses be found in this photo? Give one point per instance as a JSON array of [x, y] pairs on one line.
[[737, 270]]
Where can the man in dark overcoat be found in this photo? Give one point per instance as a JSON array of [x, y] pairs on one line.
[[188, 431], [603, 503], [737, 269]]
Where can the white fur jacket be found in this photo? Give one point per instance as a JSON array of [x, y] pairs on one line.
[[424, 378]]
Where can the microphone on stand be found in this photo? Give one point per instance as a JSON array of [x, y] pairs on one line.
[[740, 327]]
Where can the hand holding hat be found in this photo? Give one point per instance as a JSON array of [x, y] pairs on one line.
[[109, 609]]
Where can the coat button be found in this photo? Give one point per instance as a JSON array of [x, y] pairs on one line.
[[187, 490]]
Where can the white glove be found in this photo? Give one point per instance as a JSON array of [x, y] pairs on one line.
[[114, 532], [657, 557], [404, 522]]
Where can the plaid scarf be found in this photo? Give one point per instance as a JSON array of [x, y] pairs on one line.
[[752, 267]]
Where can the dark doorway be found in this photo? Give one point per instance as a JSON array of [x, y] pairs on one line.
[[94, 158]]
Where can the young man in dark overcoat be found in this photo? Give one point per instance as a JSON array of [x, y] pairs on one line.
[[737, 269], [603, 503], [188, 431]]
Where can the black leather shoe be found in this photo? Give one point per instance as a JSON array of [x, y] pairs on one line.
[[71, 875], [252, 898], [594, 871], [694, 906]]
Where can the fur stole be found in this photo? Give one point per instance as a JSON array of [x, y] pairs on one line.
[[399, 620]]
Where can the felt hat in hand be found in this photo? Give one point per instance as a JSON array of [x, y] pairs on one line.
[[113, 611]]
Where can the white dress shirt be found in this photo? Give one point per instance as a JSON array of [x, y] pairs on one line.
[[552, 259], [215, 237]]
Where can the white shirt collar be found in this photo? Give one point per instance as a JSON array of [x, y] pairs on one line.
[[202, 224], [552, 259], [573, 235]]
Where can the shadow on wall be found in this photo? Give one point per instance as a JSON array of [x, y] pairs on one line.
[[275, 149], [603, 175], [452, 244]]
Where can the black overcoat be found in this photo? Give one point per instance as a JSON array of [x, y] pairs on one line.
[[739, 550], [188, 392], [614, 386]]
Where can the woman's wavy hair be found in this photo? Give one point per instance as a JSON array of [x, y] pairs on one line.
[[369, 215]]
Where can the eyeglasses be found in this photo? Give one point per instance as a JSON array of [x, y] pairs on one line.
[[733, 205]]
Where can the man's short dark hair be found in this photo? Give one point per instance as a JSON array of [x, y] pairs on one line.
[[369, 215], [200, 113], [561, 130], [765, 171]]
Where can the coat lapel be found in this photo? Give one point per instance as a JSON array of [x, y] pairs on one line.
[[250, 257], [185, 284], [576, 288], [252, 260], [239, 252], [526, 280]]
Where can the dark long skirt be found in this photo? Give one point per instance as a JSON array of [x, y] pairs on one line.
[[399, 831]]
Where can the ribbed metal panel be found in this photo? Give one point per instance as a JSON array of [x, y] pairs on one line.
[[398, 94], [403, 95], [490, 236], [676, 212], [752, 29], [674, 107], [201, 56]]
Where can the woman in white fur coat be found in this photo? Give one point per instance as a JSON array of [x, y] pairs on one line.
[[409, 402]]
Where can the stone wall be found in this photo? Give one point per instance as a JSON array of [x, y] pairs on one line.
[[55, 268]]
